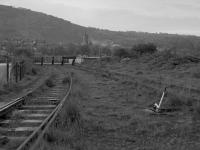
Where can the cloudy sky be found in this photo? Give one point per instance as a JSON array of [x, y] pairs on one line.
[[170, 16]]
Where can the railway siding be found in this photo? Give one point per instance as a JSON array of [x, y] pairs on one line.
[[23, 120]]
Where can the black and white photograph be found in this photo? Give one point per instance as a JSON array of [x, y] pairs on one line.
[[99, 74]]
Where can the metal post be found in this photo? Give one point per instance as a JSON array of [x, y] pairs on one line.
[[158, 106], [161, 100]]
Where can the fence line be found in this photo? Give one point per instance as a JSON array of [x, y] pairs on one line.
[[54, 60], [19, 70], [12, 71]]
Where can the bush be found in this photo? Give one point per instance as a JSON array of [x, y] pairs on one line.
[[23, 52], [121, 53], [144, 48], [49, 83]]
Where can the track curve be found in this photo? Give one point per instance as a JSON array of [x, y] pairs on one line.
[[29, 116]]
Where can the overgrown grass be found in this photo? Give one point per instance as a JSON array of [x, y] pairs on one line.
[[2, 74], [66, 80], [66, 131], [49, 83], [66, 126], [196, 112], [175, 101], [31, 73], [34, 71], [196, 75], [72, 112], [7, 88]]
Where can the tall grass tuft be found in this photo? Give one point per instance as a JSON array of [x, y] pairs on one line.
[[175, 101], [66, 80], [34, 71], [196, 112], [72, 113], [49, 83]]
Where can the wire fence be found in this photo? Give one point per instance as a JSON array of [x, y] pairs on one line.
[[11, 71], [55, 60]]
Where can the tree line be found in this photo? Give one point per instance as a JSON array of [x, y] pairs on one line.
[[78, 49]]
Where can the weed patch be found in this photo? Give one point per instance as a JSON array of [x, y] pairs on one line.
[[175, 101], [196, 112], [196, 75], [72, 114], [66, 80], [34, 71], [49, 83]]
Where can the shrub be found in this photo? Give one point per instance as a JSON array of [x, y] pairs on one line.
[[121, 53], [144, 48], [166, 54], [23, 52], [49, 83]]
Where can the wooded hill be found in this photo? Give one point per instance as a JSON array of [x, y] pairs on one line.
[[27, 24]]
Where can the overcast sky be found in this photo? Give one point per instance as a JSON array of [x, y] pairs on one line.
[[170, 16]]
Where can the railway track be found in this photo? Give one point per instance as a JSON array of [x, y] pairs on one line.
[[173, 90], [146, 80], [24, 121]]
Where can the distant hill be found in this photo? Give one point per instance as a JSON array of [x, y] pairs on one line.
[[23, 23]]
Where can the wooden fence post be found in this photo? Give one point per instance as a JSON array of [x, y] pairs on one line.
[[7, 63], [62, 62], [42, 59], [52, 60], [23, 69], [73, 61], [16, 72], [20, 71]]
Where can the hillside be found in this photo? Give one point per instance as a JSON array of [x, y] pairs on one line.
[[23, 23]]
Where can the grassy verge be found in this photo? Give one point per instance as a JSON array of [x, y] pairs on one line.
[[33, 78], [31, 73], [115, 119]]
